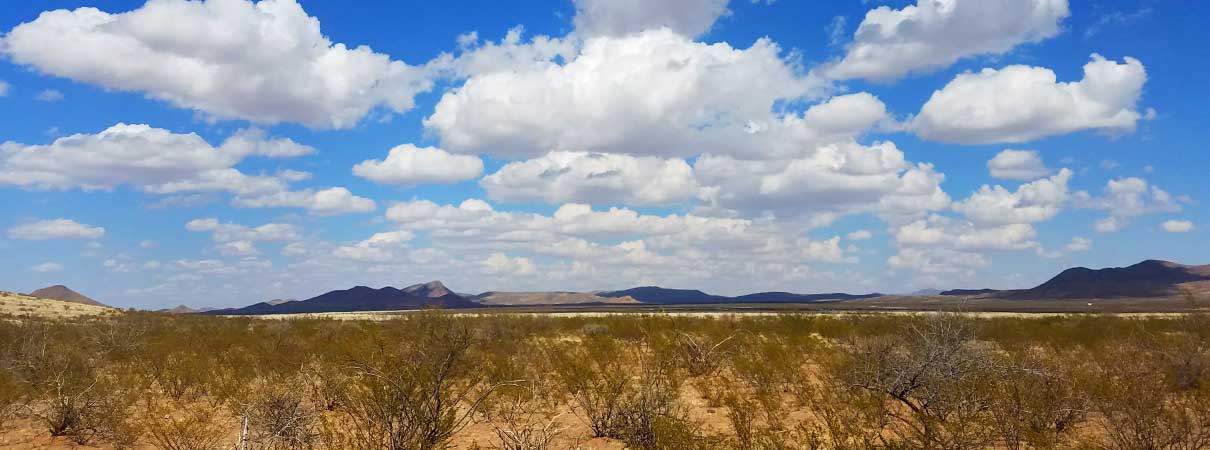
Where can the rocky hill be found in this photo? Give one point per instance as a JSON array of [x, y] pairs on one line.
[[64, 294]]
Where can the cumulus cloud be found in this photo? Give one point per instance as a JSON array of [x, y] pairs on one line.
[[844, 178], [265, 61], [134, 154], [158, 161], [937, 261], [1022, 103], [1012, 164], [940, 231], [560, 177], [55, 229], [228, 232], [408, 164], [379, 247], [1078, 244], [860, 235], [322, 202], [622, 17], [891, 43], [1177, 226], [47, 267], [1036, 201], [1124, 198], [49, 96], [600, 100], [501, 264]]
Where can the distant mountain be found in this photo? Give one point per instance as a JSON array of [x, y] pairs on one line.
[[278, 301], [495, 298], [789, 297], [968, 292], [432, 289], [927, 292], [63, 293], [363, 298], [179, 309], [664, 296], [1151, 278]]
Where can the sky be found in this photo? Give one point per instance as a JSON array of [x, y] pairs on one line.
[[225, 152]]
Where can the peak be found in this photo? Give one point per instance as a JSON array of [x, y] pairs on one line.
[[431, 289], [1158, 263]]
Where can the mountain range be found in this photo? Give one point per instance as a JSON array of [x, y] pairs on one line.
[[1147, 279]]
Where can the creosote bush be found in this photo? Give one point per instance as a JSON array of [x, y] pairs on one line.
[[782, 382]]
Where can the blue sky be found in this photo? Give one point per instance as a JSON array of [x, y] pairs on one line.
[[225, 152]]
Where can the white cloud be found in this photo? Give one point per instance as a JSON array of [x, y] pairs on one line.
[[323, 202], [228, 232], [158, 161], [1109, 224], [138, 155], [1124, 198], [379, 247], [47, 267], [1036, 201], [937, 260], [622, 17], [859, 235], [1022, 103], [148, 244], [891, 43], [55, 229], [501, 264], [266, 62], [844, 178], [237, 248], [938, 231], [560, 177], [408, 164], [1078, 244], [49, 96], [4, 88], [1012, 164], [600, 100], [1177, 226]]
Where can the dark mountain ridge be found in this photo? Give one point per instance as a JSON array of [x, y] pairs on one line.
[[1150, 278], [362, 298], [664, 296]]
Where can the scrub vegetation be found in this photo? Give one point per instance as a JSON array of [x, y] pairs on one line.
[[433, 380]]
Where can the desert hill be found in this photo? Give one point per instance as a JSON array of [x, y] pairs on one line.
[[664, 296], [64, 294], [362, 298], [14, 304], [1150, 278], [497, 298]]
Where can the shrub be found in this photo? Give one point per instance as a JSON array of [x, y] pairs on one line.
[[936, 378], [416, 392], [193, 427]]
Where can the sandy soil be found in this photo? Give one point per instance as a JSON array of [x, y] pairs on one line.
[[20, 305]]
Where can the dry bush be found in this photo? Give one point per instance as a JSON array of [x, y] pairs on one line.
[[595, 373], [525, 419], [699, 354], [412, 393], [1136, 409], [937, 379], [277, 417], [186, 427], [1037, 404], [327, 384]]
